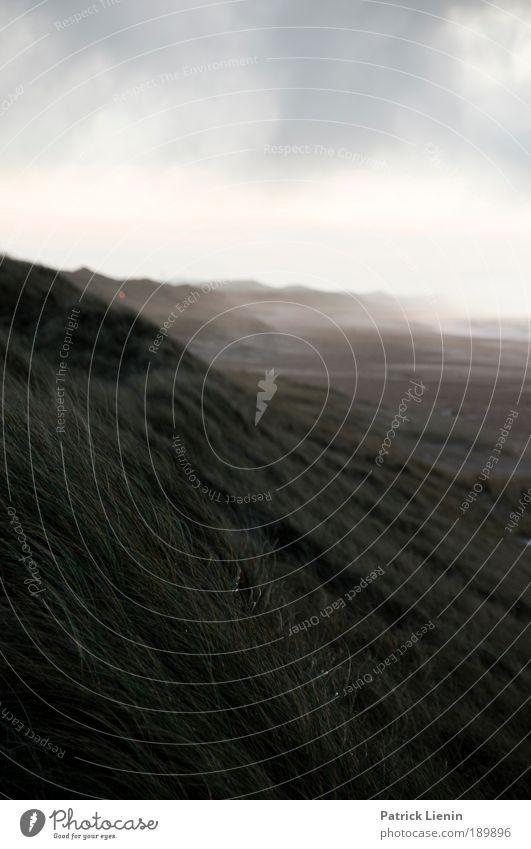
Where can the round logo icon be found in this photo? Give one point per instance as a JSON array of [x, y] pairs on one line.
[[32, 822]]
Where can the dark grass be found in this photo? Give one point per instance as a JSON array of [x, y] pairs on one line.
[[159, 655]]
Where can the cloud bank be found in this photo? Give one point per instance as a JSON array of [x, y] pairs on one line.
[[348, 144]]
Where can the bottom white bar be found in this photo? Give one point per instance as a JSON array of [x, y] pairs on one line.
[[266, 824]]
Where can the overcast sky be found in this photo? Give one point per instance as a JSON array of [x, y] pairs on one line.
[[351, 144]]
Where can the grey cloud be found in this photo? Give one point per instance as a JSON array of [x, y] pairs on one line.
[[373, 82]]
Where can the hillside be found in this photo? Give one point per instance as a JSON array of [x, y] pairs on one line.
[[213, 606], [240, 307]]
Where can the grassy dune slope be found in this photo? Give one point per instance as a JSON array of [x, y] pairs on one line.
[[162, 656]]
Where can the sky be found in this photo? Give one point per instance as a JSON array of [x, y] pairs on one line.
[[349, 144]]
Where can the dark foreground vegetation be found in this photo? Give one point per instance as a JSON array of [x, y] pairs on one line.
[[168, 639]]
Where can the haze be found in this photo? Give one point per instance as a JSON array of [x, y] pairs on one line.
[[353, 146]]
